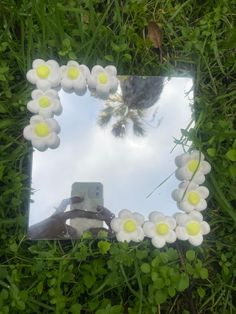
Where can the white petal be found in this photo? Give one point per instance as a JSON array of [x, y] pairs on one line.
[[37, 63], [203, 191], [55, 78], [92, 82], [206, 167], [32, 106], [80, 85], [52, 93], [53, 64], [181, 233], [54, 141], [185, 206], [111, 69], [198, 178], [197, 155], [116, 224], [39, 144], [46, 112], [181, 219], [73, 63], [137, 235], [181, 160], [156, 216], [205, 227], [96, 70], [63, 70], [103, 90], [31, 76], [182, 174], [125, 213], [53, 124], [171, 221], [196, 240], [36, 93], [202, 205], [149, 229], [177, 195], [27, 132], [123, 236], [113, 84], [57, 107], [66, 83], [139, 218], [196, 215], [158, 242], [36, 119], [85, 70], [171, 237], [43, 84]]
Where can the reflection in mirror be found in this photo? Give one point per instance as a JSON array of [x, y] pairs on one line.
[[113, 154]]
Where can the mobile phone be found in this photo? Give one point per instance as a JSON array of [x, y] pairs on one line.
[[92, 194]]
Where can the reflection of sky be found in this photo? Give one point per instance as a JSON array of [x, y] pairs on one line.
[[129, 168]]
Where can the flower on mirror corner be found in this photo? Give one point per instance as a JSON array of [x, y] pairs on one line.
[[45, 103], [191, 227], [42, 132], [128, 226], [190, 196], [44, 74], [192, 167], [160, 229]]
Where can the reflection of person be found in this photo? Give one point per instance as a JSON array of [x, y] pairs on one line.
[[92, 195], [55, 226]]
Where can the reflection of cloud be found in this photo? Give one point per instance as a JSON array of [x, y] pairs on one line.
[[129, 168]]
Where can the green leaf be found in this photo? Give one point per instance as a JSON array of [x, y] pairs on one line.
[[183, 282], [89, 280], [104, 246], [75, 308], [145, 268], [232, 171], [171, 291], [204, 273], [231, 154], [211, 152], [190, 255], [161, 296], [201, 292]]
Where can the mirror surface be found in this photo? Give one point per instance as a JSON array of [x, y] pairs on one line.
[[112, 153]]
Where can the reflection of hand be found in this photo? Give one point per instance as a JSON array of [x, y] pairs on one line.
[[55, 226]]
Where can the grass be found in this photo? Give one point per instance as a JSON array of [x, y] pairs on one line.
[[79, 277]]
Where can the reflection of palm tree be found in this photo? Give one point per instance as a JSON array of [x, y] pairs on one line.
[[138, 94]]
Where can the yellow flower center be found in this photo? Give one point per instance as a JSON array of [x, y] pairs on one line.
[[193, 165], [193, 198], [73, 73], [102, 78], [43, 71], [162, 228], [42, 129], [44, 102], [193, 228], [130, 226]]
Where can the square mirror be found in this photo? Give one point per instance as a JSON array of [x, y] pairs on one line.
[[114, 154]]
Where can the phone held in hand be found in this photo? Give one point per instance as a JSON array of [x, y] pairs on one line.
[[92, 194]]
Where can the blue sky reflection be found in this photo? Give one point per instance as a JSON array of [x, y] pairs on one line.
[[129, 168]]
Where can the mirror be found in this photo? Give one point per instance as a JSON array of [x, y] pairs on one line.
[[113, 153]]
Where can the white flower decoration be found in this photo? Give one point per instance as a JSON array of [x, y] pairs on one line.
[[45, 103], [191, 196], [103, 80], [190, 163], [74, 77], [42, 133], [44, 74], [128, 226], [160, 228], [191, 227]]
